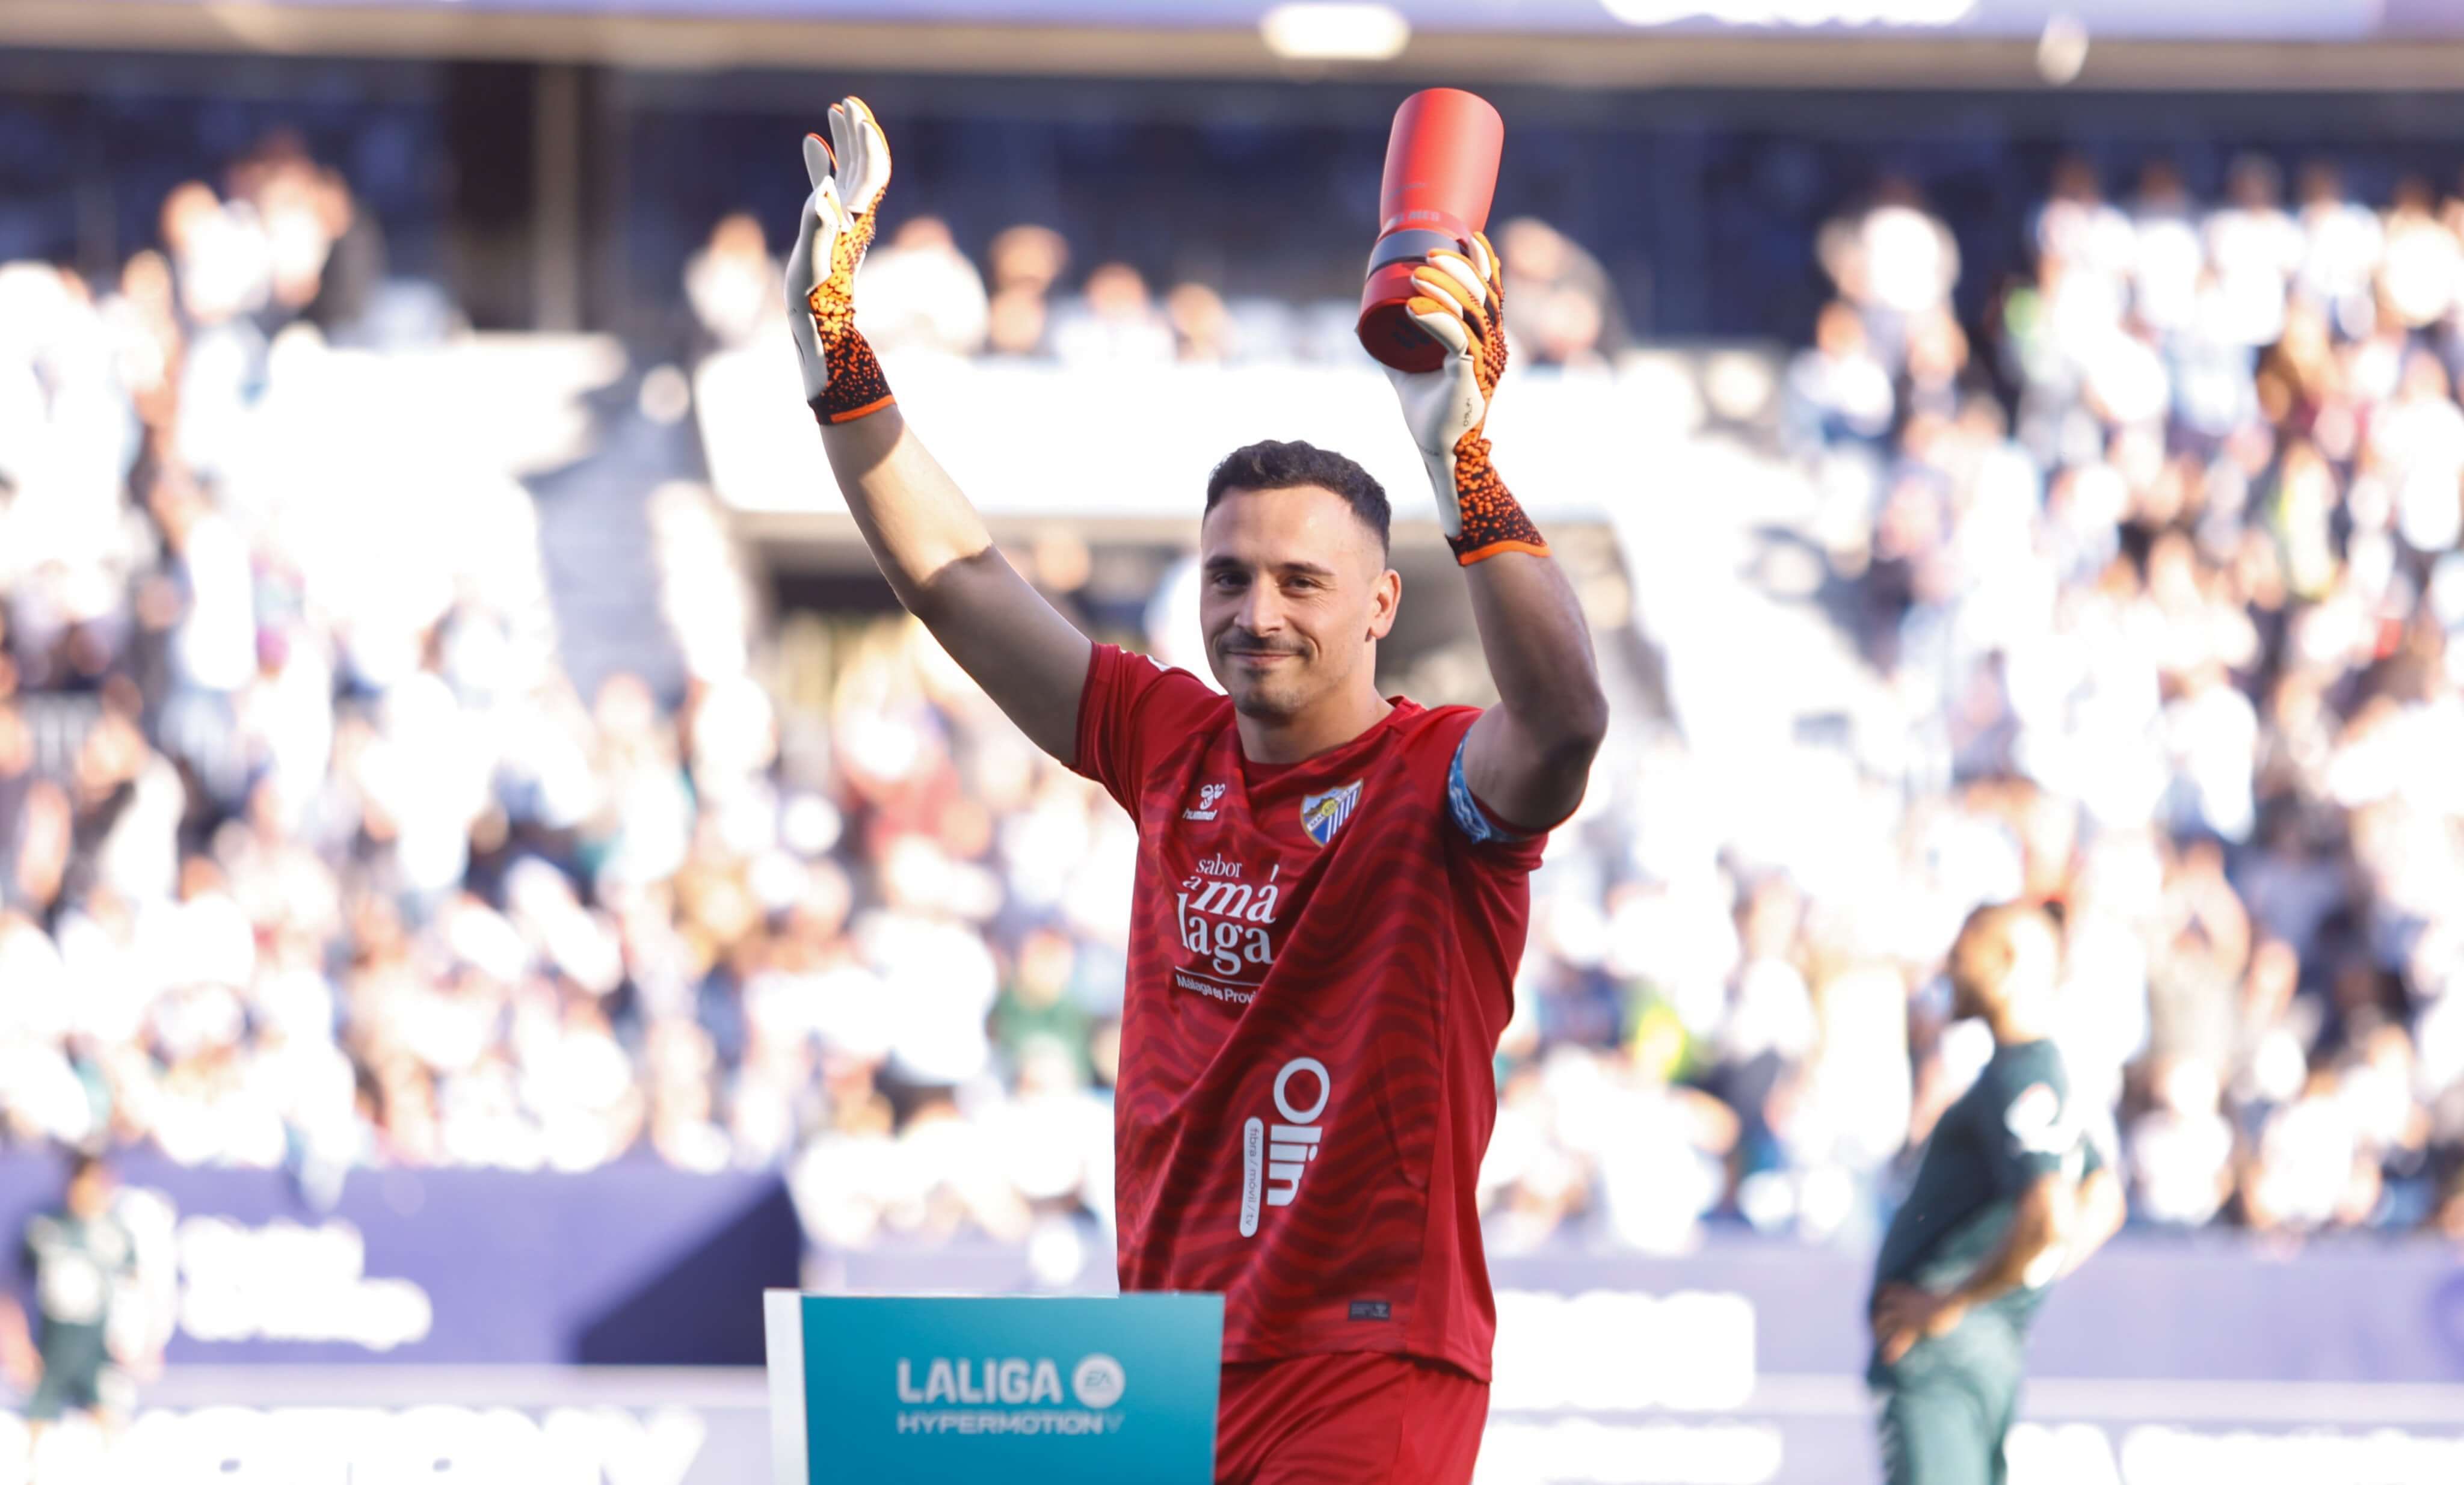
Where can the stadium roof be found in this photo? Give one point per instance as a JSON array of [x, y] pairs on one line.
[[2285, 20], [1847, 43]]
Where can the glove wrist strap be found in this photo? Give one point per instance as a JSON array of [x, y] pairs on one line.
[[1491, 521], [856, 385]]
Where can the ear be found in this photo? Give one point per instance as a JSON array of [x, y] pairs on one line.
[[1385, 598]]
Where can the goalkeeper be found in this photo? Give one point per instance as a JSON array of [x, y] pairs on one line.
[[1332, 888]]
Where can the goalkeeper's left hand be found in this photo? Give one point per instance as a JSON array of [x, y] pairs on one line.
[[1461, 304]]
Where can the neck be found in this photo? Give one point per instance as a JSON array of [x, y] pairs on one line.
[[2013, 1024], [1337, 721]]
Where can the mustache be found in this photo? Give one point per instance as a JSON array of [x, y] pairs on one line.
[[1238, 641]]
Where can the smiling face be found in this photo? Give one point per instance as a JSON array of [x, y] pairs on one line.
[[1294, 595]]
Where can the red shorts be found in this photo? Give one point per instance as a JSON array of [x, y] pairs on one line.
[[1355, 1418]]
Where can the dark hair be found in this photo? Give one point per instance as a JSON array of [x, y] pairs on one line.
[[1275, 465]]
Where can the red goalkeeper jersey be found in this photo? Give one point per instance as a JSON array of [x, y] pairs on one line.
[[1321, 961]]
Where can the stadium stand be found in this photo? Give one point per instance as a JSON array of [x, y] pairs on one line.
[[353, 856]]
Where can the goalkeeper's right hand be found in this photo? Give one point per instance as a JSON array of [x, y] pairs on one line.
[[841, 380]]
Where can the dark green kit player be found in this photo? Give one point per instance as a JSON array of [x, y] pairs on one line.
[[2010, 1196], [78, 1257]]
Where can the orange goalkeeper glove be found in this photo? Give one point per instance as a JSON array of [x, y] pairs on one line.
[[841, 380], [1461, 304]]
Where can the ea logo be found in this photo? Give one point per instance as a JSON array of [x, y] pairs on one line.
[[1099, 1380]]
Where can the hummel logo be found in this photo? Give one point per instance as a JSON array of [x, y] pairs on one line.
[[1207, 795]]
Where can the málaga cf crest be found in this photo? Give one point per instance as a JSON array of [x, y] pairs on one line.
[[1322, 815]]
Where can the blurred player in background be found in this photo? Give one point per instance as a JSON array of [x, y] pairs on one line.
[[77, 1258], [1332, 890], [2010, 1196]]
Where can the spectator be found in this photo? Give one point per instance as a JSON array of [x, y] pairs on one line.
[[2419, 444], [2417, 277], [732, 283], [1026, 261], [2182, 1150], [1200, 323], [2254, 248], [1114, 320], [1894, 260], [2169, 258], [920, 292], [1566, 308], [2079, 228], [1839, 391], [2342, 246]]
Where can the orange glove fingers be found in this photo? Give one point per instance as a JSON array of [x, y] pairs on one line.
[[1437, 282]]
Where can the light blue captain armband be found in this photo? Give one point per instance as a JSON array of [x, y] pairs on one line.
[[1473, 820]]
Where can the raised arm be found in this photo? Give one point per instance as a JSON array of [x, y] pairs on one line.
[[927, 539], [1528, 758]]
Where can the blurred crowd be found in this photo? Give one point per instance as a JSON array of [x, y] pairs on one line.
[[2161, 577], [313, 856], [268, 654], [920, 294]]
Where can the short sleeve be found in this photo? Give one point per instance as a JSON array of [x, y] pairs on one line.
[[1131, 713], [1492, 841], [2035, 1137]]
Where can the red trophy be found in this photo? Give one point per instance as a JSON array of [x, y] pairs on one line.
[[1440, 174]]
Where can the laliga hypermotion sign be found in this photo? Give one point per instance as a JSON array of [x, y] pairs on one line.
[[1112, 1391]]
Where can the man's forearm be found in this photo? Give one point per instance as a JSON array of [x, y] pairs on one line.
[[912, 513], [2036, 1229], [2098, 1213], [942, 564], [1539, 654]]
